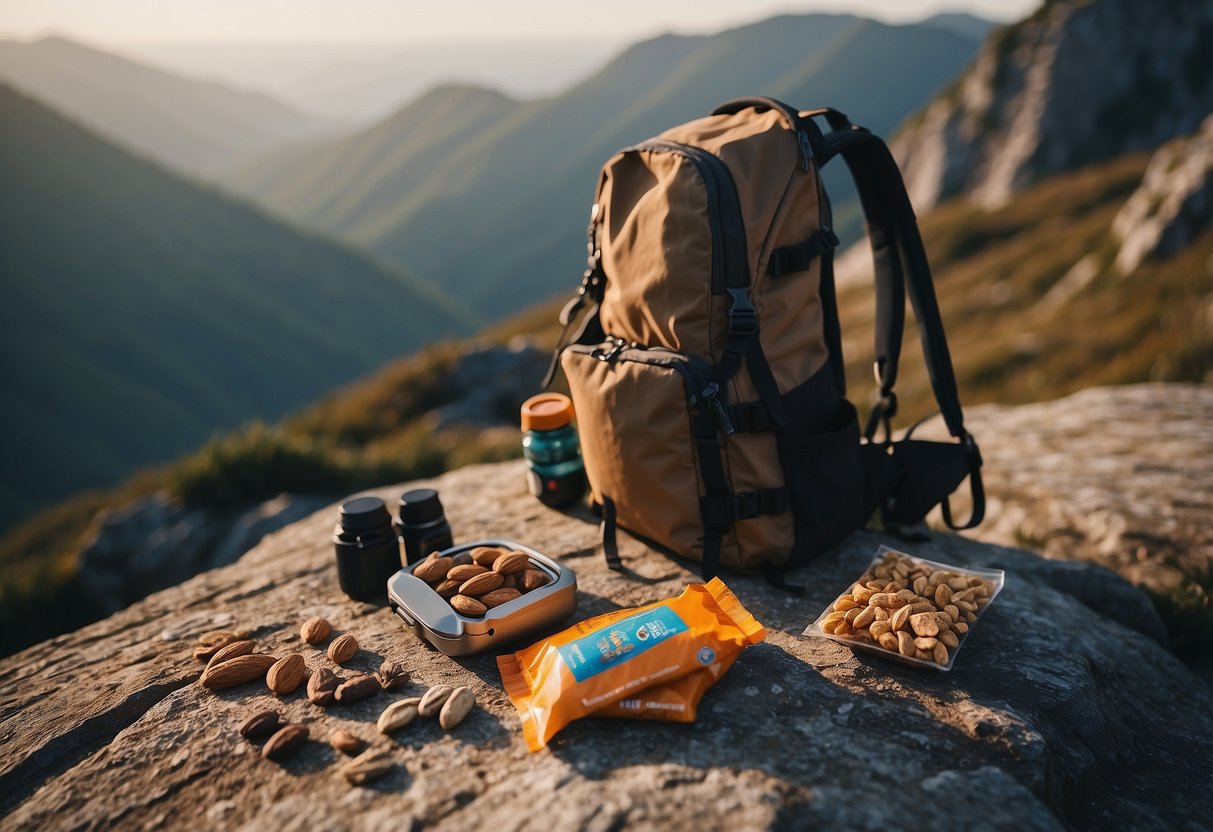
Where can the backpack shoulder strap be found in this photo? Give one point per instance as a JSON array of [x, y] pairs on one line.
[[901, 267]]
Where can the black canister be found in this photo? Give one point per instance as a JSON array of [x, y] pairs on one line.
[[422, 524], [368, 553]]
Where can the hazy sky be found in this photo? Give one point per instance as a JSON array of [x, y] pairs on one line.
[[116, 21]]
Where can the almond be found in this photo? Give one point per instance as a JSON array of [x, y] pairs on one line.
[[949, 639], [434, 699], [322, 687], [343, 648], [924, 624], [905, 643], [499, 596], [925, 643], [456, 707], [447, 587], [285, 742], [397, 715], [433, 568], [511, 563], [920, 585], [357, 688], [463, 573], [940, 653], [217, 638], [486, 555], [468, 606], [482, 583], [315, 630], [231, 651], [236, 671], [260, 725], [534, 579], [347, 743], [865, 618], [286, 674], [846, 603], [888, 641], [900, 619], [370, 766], [879, 628], [943, 596]]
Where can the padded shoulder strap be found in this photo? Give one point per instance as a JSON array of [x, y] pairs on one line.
[[901, 265]]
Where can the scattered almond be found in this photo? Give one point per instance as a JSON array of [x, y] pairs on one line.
[[357, 688], [286, 674], [285, 742], [343, 648], [260, 724], [434, 699], [236, 671], [231, 651], [315, 630], [369, 766], [397, 715], [456, 707], [347, 743], [391, 675]]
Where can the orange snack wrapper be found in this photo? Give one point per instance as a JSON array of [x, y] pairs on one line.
[[672, 702], [611, 657]]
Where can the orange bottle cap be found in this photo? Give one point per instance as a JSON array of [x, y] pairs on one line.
[[547, 411]]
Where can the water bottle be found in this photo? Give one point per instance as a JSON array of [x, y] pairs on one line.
[[555, 472]]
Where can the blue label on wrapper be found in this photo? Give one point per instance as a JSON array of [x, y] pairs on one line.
[[617, 643]]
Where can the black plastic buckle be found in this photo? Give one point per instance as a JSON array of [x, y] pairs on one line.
[[747, 505], [743, 320]]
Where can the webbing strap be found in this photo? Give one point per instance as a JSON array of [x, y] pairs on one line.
[[798, 257], [610, 542]]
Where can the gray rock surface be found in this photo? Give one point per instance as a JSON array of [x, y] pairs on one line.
[[1119, 476], [1058, 713], [1078, 81]]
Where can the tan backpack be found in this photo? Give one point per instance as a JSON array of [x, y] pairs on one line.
[[707, 372]]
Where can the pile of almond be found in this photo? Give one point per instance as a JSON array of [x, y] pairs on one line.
[[909, 607], [232, 659], [474, 582]]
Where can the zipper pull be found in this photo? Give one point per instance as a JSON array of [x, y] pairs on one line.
[[806, 150], [711, 395]]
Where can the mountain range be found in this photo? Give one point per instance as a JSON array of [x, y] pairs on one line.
[[194, 126], [487, 196], [143, 313]]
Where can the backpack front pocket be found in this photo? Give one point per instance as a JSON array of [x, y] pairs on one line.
[[634, 422]]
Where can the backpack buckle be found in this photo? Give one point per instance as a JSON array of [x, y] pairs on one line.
[[743, 320]]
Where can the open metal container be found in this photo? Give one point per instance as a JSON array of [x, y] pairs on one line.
[[433, 619]]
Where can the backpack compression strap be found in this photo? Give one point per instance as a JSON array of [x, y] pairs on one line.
[[901, 265]]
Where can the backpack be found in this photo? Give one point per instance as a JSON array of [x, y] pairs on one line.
[[707, 371]]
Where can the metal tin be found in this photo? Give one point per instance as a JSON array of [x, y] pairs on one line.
[[427, 614]]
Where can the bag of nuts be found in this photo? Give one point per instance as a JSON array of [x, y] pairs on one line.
[[917, 611]]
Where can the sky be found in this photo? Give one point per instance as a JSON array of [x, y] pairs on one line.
[[133, 21]]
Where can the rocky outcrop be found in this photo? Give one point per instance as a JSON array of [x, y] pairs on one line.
[[1062, 709], [1077, 82], [1117, 476], [492, 382], [1174, 203], [156, 542]]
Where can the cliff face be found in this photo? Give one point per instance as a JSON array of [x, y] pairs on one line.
[[1077, 82]]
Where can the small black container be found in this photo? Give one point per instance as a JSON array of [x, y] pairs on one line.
[[367, 550], [422, 525]]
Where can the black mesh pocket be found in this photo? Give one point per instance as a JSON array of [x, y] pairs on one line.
[[825, 477]]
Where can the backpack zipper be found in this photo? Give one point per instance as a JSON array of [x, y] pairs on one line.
[[724, 210], [695, 372]]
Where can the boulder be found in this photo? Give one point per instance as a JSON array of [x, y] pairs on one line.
[[1062, 710]]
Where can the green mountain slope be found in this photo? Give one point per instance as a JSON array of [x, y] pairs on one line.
[[141, 313], [497, 214], [191, 125]]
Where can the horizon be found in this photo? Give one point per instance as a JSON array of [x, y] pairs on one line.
[[147, 23]]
